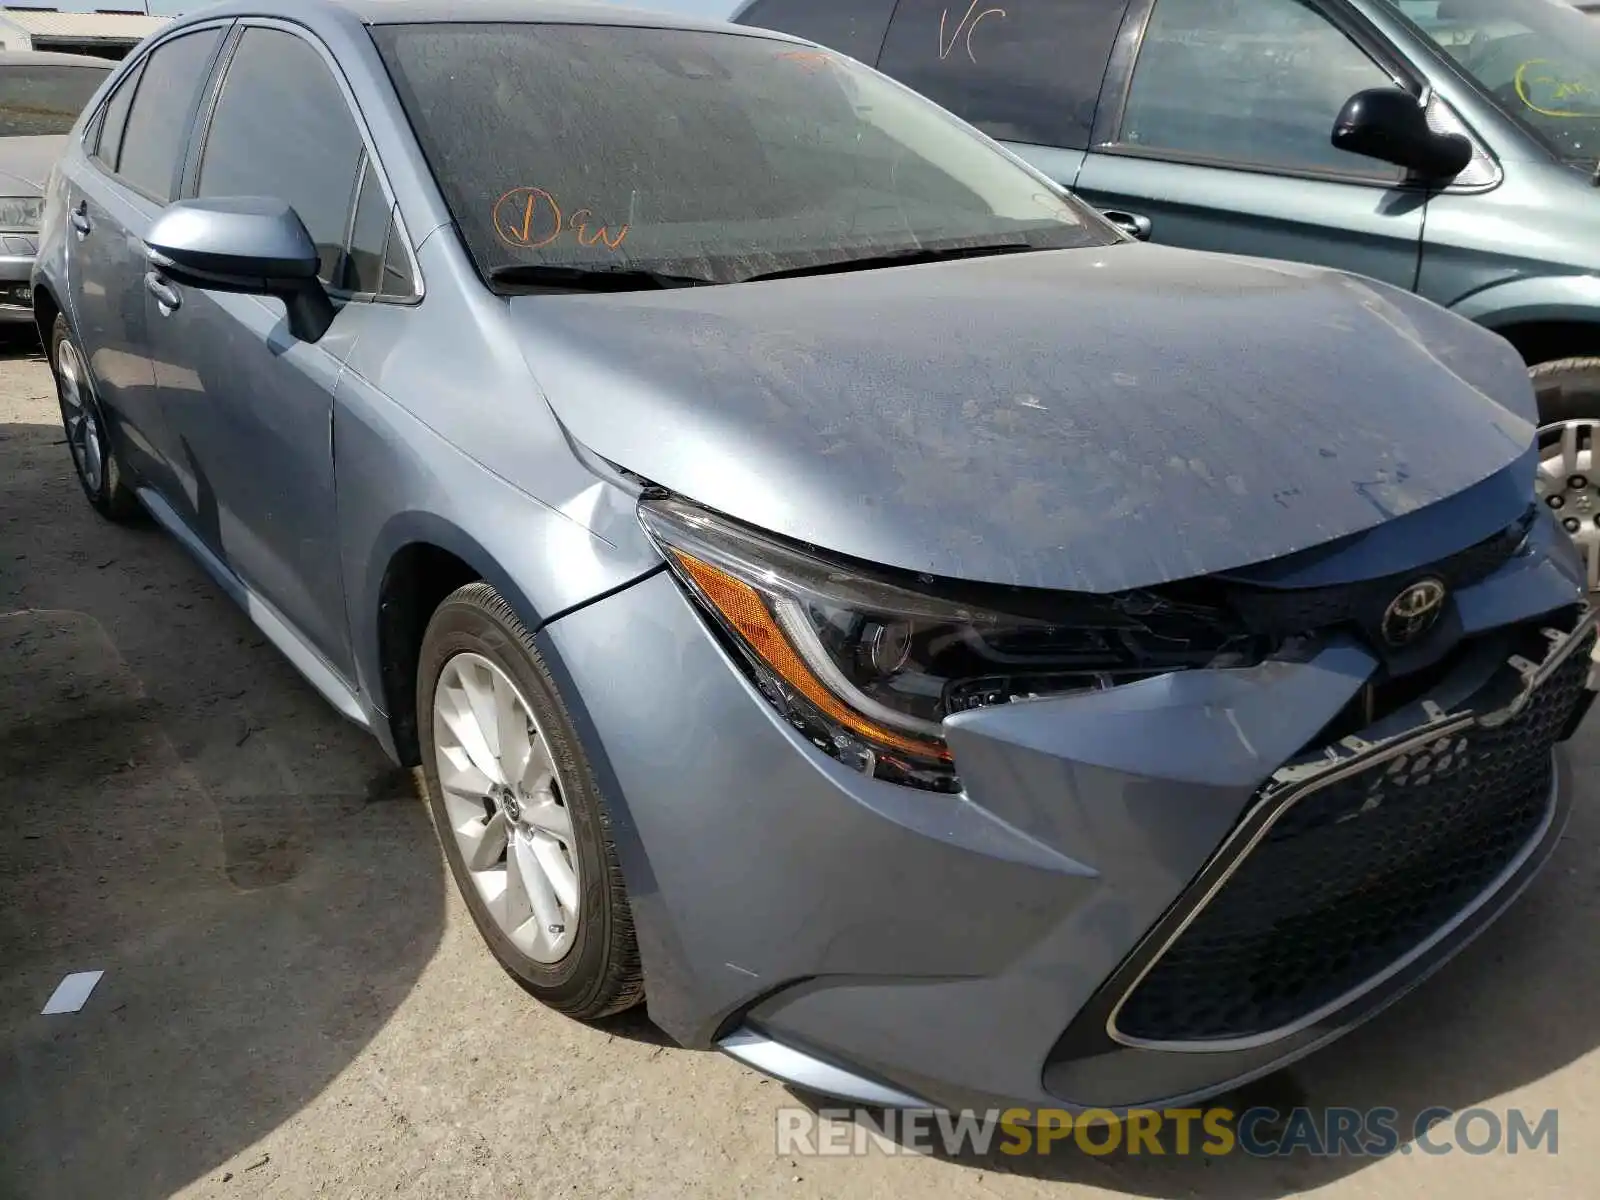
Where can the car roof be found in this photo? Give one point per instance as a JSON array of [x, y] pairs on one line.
[[546, 12], [52, 58], [516, 12]]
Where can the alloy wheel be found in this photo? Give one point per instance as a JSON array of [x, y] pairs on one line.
[[1567, 485], [503, 795], [80, 417]]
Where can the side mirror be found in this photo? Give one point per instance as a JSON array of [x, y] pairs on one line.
[[247, 244], [1388, 124]]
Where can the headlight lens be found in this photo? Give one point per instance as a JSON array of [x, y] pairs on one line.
[[21, 213], [868, 664]]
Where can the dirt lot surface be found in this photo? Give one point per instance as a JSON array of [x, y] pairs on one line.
[[295, 1003]]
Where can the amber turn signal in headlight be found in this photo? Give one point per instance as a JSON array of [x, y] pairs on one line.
[[742, 607], [868, 662]]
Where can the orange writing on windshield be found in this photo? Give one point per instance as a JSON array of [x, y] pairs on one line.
[[530, 218], [811, 60], [527, 218], [602, 233]]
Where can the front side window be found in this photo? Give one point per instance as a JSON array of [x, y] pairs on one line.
[[706, 155], [282, 129], [1028, 72], [157, 128], [1540, 61], [47, 99], [1256, 84]]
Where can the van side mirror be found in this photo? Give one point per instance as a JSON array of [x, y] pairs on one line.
[[249, 244], [1388, 124]]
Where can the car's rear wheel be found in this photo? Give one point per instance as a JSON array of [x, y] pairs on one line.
[[99, 470], [1569, 414], [523, 825]]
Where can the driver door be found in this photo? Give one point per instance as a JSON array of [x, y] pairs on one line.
[[252, 405], [1220, 137]]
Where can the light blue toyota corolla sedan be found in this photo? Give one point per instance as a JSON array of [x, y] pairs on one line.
[[837, 587]]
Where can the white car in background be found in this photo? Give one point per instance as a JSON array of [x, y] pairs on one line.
[[41, 95]]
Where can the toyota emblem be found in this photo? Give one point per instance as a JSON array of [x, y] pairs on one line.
[[1413, 612]]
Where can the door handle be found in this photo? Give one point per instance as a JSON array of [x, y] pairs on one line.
[[1132, 224], [167, 298], [80, 220]]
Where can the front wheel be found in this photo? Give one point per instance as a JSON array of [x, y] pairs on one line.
[[522, 822], [1568, 392]]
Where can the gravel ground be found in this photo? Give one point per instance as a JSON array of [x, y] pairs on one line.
[[296, 1004]]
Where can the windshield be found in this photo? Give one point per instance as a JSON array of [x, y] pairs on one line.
[[41, 100], [1539, 58], [698, 156]]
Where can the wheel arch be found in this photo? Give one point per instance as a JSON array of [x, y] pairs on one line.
[[417, 578], [1544, 318], [420, 558], [1548, 341], [46, 308]]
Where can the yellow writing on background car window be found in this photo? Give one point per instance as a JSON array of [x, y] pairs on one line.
[[1543, 90]]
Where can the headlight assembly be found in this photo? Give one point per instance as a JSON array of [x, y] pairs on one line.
[[21, 213], [868, 662]]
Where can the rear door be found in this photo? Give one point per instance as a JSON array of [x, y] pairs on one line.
[[1028, 75], [135, 150], [253, 404], [1221, 138]]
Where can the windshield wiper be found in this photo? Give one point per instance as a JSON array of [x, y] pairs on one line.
[[898, 258], [592, 279]]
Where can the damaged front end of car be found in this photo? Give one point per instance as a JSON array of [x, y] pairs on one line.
[[1360, 859], [1372, 755]]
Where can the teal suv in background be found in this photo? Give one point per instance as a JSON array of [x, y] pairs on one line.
[[1449, 147]]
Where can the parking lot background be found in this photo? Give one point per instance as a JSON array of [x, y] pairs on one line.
[[295, 1002]]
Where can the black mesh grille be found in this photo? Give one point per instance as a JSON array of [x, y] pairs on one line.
[[1354, 876], [1302, 610]]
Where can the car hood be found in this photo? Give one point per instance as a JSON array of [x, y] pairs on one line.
[[1091, 419], [25, 162]]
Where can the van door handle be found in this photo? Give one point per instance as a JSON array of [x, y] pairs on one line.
[[167, 298], [1132, 224], [80, 220]]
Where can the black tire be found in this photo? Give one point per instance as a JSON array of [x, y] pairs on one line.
[[111, 493], [1567, 389], [600, 974]]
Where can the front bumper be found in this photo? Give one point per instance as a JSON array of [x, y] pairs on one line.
[[976, 951], [17, 252]]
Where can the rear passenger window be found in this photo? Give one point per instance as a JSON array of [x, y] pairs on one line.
[[853, 27], [108, 141], [282, 129], [156, 129], [1022, 72], [1257, 85]]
